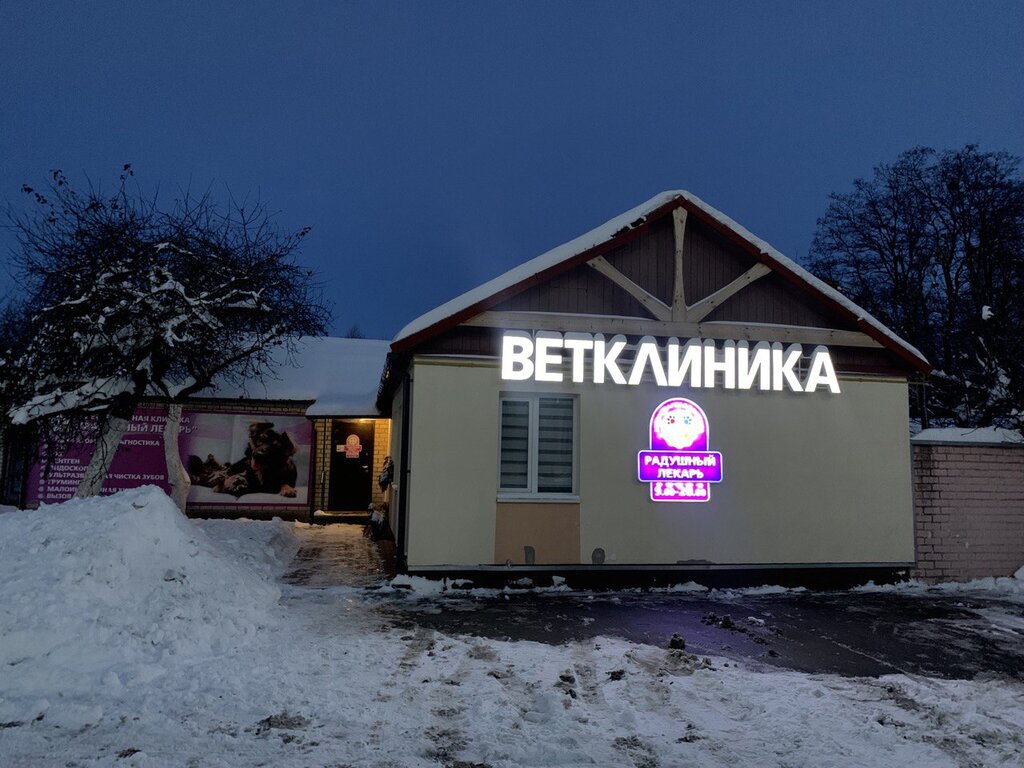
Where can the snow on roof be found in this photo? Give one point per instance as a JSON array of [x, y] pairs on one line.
[[975, 435], [341, 375], [606, 232]]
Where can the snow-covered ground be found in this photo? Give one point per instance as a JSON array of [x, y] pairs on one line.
[[130, 636]]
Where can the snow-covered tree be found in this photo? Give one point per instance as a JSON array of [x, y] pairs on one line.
[[122, 300], [933, 245]]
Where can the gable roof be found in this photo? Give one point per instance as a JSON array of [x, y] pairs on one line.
[[622, 228], [341, 376]]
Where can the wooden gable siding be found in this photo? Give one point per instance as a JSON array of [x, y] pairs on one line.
[[463, 340], [580, 290], [649, 261], [709, 263], [870, 361], [773, 299]]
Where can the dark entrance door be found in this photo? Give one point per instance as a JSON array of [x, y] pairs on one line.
[[351, 465]]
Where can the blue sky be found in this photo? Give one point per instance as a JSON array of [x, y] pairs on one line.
[[431, 146]]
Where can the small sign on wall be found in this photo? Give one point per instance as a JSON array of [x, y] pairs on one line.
[[679, 466], [352, 447]]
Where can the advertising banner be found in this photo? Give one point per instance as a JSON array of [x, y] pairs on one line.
[[139, 461], [249, 459]]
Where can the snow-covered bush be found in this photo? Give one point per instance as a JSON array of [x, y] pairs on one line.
[[122, 300]]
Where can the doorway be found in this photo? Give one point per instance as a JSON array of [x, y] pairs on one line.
[[351, 481]]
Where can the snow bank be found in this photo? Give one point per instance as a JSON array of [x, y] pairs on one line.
[[1011, 587], [108, 592], [971, 435], [130, 603], [425, 588]]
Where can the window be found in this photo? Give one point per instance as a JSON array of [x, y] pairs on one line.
[[538, 445]]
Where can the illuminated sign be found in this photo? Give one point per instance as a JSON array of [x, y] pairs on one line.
[[679, 466], [696, 364]]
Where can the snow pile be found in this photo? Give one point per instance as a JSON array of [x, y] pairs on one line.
[[1011, 587], [973, 435], [109, 592], [427, 588], [157, 641]]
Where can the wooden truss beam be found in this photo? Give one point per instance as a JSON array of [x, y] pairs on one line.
[[697, 312], [639, 326], [650, 302]]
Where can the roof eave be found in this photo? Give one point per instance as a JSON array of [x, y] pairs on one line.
[[409, 342]]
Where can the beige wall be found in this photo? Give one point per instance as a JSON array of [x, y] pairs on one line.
[[810, 478], [454, 464], [813, 478]]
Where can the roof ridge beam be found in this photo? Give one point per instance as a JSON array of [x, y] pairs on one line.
[[679, 311]]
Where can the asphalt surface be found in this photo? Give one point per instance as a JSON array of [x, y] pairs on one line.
[[845, 633], [937, 634]]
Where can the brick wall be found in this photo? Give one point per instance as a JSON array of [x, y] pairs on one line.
[[968, 511], [321, 463], [381, 448]]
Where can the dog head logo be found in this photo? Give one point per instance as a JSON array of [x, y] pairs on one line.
[[268, 447]]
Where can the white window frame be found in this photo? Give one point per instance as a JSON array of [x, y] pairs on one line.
[[533, 453]]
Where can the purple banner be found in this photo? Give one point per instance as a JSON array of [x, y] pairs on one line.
[[139, 461], [679, 465], [680, 492], [250, 459]]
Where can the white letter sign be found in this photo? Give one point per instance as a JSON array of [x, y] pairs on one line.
[[549, 356]]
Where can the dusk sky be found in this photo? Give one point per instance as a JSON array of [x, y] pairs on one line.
[[432, 146]]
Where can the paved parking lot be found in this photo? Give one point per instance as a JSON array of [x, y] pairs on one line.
[[847, 633], [951, 635]]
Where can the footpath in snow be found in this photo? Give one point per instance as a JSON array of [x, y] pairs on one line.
[[131, 636]]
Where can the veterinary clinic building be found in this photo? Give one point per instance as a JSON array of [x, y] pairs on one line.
[[664, 392]]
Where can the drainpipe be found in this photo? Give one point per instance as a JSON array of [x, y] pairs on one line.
[[406, 473]]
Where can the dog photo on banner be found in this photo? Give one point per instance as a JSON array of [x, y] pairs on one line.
[[256, 459]]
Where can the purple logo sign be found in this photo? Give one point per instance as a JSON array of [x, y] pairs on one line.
[[679, 465]]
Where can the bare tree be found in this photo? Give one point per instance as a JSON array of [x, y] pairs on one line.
[[123, 300], [933, 245]]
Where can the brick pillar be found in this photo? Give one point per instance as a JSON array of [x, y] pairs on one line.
[[968, 510]]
